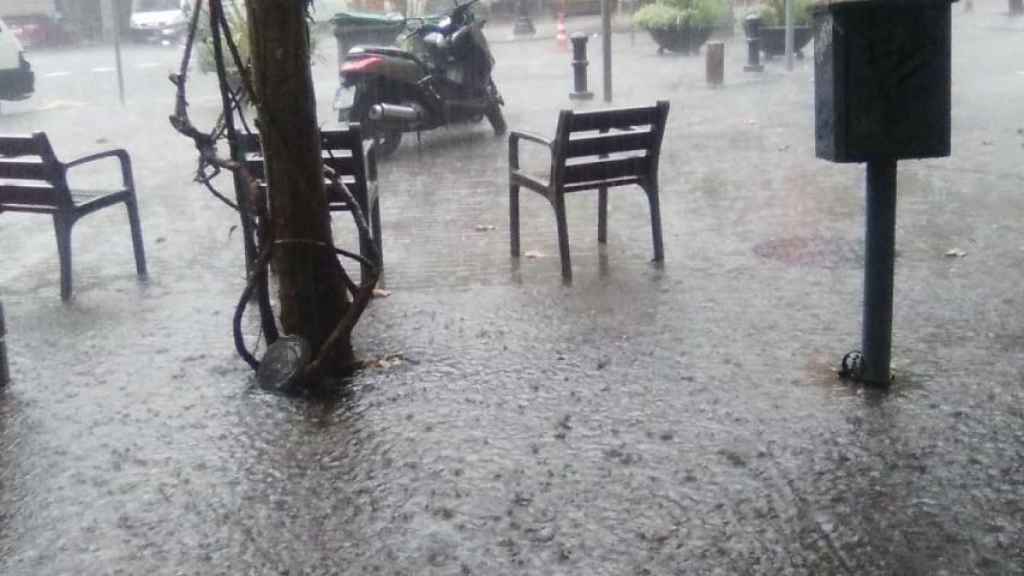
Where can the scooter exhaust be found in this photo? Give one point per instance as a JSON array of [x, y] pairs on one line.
[[395, 112]]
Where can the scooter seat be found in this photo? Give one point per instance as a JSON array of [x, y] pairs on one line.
[[386, 51]]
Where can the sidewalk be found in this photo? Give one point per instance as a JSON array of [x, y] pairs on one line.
[[673, 419]]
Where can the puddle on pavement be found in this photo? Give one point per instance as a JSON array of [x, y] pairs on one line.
[[817, 251]]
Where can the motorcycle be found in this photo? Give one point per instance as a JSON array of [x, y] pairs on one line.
[[442, 78]]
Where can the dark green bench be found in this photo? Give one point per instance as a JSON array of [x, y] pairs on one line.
[[32, 179]]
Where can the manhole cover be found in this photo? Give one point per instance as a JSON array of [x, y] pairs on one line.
[[817, 251]]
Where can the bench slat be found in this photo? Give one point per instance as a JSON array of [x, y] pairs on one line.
[[340, 140], [28, 195], [12, 146], [255, 167], [344, 164], [24, 170], [607, 119], [609, 143], [635, 166]]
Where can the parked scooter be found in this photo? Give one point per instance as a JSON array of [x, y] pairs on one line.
[[443, 78]]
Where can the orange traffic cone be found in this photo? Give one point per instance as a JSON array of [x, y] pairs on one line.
[[562, 36]]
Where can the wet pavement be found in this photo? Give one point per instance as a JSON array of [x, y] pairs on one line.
[[674, 419]]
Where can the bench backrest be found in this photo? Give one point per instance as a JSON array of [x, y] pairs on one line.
[[341, 150], [31, 177], [608, 145]]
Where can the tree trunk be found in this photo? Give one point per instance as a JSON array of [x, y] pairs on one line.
[[312, 293]]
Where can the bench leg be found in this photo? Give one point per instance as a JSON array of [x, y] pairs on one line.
[[62, 227], [563, 235], [136, 226], [378, 239], [377, 234], [365, 249], [513, 218], [602, 215], [652, 198]]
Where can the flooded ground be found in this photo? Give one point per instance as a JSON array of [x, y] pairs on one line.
[[674, 419]]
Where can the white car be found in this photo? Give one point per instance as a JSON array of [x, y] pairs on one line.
[[159, 20], [17, 81]]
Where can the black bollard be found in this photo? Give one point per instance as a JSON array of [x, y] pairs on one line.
[[752, 26], [1016, 7], [5, 369], [523, 25], [579, 68]]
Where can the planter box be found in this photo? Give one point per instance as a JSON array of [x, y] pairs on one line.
[[684, 40], [773, 39], [354, 28]]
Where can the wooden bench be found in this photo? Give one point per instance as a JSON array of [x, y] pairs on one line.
[[344, 152], [33, 180], [594, 150]]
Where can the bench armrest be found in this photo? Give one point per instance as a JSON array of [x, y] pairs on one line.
[[120, 154], [513, 145]]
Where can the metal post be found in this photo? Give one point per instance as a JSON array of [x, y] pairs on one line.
[[880, 238], [1016, 7], [789, 34], [579, 67], [117, 49], [5, 369], [752, 27], [606, 47]]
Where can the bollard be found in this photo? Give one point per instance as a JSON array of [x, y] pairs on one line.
[[752, 26], [1016, 7], [5, 369], [523, 26], [715, 63], [579, 68]]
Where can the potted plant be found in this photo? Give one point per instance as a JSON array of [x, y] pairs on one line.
[[682, 25], [773, 28], [235, 16]]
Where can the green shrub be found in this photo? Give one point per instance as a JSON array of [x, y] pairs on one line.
[[660, 16], [674, 13], [239, 31], [774, 12]]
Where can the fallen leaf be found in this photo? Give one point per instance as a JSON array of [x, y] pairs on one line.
[[955, 253], [485, 227], [381, 293], [388, 361], [533, 254]]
